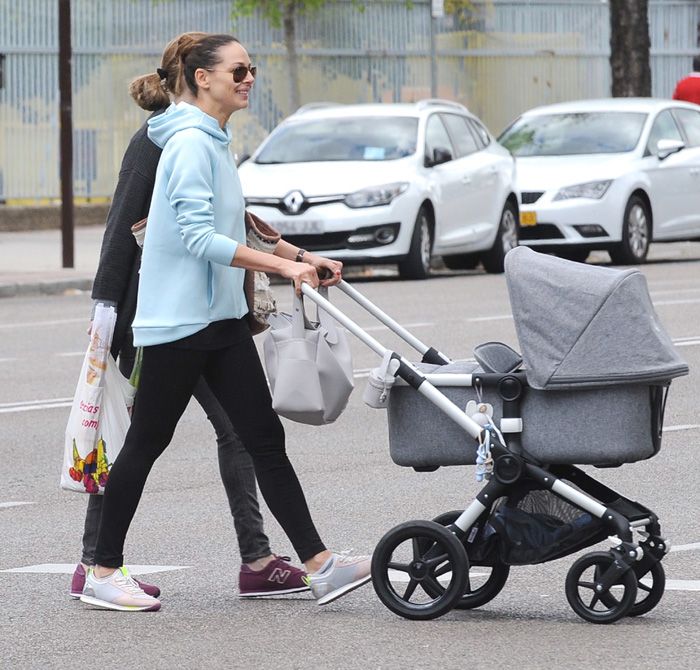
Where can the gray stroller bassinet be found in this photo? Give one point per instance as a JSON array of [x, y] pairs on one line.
[[598, 364]]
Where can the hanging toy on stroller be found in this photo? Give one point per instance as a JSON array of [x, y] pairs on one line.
[[589, 389]]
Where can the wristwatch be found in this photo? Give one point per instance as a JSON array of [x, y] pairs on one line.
[[300, 255]]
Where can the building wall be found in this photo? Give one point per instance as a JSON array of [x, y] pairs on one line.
[[504, 57]]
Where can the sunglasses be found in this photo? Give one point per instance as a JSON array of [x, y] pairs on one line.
[[239, 73]]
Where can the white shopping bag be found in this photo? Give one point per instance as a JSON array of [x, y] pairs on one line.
[[100, 415]]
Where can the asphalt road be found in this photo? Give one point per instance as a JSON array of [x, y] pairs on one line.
[[355, 493]]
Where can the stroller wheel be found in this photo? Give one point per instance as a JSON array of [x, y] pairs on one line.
[[484, 583], [587, 602], [419, 570], [650, 590]]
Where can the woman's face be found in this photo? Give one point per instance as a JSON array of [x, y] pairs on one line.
[[229, 95]]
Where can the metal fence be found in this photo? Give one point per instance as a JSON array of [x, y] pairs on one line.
[[500, 59]]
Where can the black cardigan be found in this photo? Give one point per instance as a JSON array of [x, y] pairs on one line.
[[117, 273]]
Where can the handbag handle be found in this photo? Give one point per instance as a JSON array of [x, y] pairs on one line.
[[300, 322]]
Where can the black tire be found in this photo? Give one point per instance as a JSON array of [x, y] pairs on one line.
[[461, 261], [648, 596], [424, 551], [488, 589], [636, 234], [506, 239], [602, 608], [416, 265], [574, 254]]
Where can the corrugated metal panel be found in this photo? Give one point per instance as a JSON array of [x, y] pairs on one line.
[[502, 58]]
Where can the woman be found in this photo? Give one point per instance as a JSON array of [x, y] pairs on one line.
[[116, 281], [190, 321]]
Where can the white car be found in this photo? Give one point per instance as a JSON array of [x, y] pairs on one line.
[[611, 174], [387, 183]]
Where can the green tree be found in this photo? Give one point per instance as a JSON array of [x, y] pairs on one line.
[[284, 14]]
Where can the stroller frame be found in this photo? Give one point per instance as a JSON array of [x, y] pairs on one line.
[[441, 547]]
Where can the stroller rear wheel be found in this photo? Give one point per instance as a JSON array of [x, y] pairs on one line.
[[484, 583], [648, 594], [583, 595], [419, 570]]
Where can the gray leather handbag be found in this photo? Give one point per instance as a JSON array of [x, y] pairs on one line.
[[309, 365]]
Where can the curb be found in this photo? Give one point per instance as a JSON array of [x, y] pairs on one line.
[[58, 287]]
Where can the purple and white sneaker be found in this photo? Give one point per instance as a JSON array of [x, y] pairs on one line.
[[277, 578]]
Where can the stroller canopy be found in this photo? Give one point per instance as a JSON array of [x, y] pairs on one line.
[[583, 325]]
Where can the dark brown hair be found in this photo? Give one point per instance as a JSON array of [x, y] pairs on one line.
[[150, 91], [204, 54]]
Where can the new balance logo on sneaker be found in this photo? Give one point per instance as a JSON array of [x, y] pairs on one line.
[[277, 578]]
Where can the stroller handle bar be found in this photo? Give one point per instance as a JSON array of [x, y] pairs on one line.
[[429, 354], [407, 371]]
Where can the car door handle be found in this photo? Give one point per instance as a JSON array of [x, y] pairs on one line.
[[695, 172], [466, 179]]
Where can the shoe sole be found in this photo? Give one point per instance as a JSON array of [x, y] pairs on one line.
[[75, 596], [268, 594], [103, 604], [334, 595]]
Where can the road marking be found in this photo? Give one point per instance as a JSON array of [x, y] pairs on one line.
[[500, 317], [686, 547], [674, 291], [5, 505], [37, 324], [29, 405], [689, 301], [72, 353], [680, 584], [68, 569], [672, 429], [420, 324]]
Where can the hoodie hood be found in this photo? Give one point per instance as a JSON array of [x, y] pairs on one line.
[[181, 116]]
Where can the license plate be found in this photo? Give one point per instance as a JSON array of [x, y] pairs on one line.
[[528, 218], [300, 227]]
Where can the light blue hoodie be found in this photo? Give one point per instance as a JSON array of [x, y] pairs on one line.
[[195, 223]]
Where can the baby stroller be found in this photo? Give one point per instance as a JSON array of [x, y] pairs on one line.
[[590, 388]]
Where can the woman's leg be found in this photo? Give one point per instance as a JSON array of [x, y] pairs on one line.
[[168, 377], [238, 476], [92, 526], [236, 378]]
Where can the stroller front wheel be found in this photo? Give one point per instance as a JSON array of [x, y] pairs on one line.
[[650, 589], [584, 596], [419, 570]]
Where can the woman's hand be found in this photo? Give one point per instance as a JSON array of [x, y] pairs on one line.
[[329, 271], [299, 273]]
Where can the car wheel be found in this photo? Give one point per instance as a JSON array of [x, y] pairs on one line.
[[417, 264], [461, 261], [636, 234], [506, 239]]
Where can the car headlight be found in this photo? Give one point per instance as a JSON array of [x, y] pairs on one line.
[[375, 195], [591, 189]]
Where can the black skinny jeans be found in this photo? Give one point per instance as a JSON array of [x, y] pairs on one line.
[[236, 378]]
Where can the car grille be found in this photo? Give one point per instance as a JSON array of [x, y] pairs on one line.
[[530, 197], [542, 231]]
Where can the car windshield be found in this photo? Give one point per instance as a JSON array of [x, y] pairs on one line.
[[362, 138], [572, 134]]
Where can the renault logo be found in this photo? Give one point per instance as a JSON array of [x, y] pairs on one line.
[[293, 201]]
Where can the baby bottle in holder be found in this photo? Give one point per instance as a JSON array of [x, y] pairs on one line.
[[380, 381]]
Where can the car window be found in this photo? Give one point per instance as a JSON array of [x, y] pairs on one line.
[[480, 132], [574, 133], [362, 138], [690, 120], [664, 128], [436, 137], [462, 138]]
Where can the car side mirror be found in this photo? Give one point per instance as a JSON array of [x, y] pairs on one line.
[[440, 155], [242, 159], [664, 148]]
